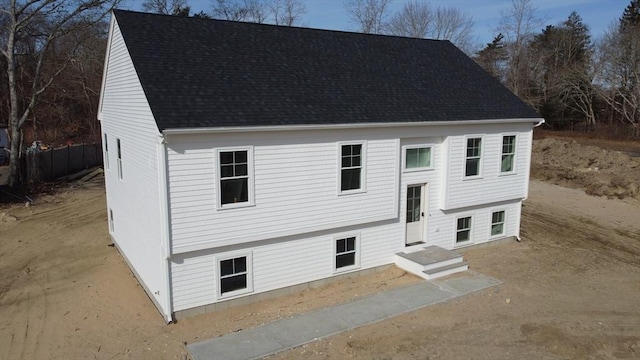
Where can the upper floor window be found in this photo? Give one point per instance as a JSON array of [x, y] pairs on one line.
[[473, 157], [120, 175], [508, 153], [351, 167], [234, 176], [106, 152], [417, 158]]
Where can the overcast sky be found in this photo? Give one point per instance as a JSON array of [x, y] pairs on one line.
[[330, 14]]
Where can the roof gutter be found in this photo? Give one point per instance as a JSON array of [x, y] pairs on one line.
[[235, 129]]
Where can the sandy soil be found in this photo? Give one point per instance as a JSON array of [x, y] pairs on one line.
[[571, 291]]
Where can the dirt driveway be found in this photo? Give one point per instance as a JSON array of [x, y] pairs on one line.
[[571, 290]]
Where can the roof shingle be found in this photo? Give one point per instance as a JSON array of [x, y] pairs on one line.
[[213, 73]]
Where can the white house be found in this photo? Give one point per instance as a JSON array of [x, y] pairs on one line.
[[243, 158]]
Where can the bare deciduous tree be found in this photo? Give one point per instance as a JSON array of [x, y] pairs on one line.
[[167, 7], [369, 15], [454, 25], [287, 12], [30, 28], [413, 20], [518, 24], [234, 10]]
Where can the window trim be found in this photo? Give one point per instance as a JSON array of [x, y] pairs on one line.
[[105, 140], [119, 161], [504, 223], [357, 252], [417, 146], [363, 167], [456, 230], [515, 154], [250, 182], [249, 273], [480, 157]]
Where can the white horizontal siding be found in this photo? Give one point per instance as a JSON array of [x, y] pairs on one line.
[[491, 186], [296, 188], [134, 200]]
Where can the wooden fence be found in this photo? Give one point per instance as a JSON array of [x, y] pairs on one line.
[[39, 166]]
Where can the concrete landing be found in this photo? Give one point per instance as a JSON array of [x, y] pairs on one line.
[[291, 332]]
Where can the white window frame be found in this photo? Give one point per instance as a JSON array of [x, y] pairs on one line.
[[356, 251], [515, 153], [250, 182], [504, 223], [419, 146], [363, 167], [248, 272], [119, 162], [456, 231], [105, 139], [480, 157]]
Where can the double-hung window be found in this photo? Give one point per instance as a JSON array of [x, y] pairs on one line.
[[473, 157], [235, 275], [346, 253], [120, 175], [463, 229], [235, 176], [508, 154], [351, 167], [497, 223]]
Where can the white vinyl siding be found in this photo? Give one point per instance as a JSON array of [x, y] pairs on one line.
[[492, 186], [290, 198], [134, 203]]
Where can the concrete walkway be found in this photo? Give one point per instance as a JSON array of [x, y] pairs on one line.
[[291, 332]]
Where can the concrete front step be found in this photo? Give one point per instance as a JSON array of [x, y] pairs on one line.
[[431, 262]]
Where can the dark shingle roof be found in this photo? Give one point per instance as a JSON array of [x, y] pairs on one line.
[[213, 73]]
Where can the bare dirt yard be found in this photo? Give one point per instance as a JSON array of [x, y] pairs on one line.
[[571, 288]]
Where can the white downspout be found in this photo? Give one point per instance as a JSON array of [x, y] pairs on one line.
[[165, 230]]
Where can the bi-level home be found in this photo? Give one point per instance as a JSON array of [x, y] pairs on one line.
[[243, 158]]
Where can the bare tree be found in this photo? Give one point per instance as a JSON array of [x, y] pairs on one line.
[[30, 28], [167, 7], [452, 24], [518, 24], [413, 20], [235, 10], [287, 12], [618, 57], [369, 15]]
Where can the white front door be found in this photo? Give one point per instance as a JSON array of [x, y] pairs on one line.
[[415, 213]]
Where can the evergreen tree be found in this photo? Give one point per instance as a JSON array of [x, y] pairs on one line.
[[493, 57]]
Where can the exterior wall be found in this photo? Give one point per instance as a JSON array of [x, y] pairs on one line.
[[285, 260], [134, 200], [296, 187], [490, 186]]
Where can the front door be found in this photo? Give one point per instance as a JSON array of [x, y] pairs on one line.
[[415, 213]]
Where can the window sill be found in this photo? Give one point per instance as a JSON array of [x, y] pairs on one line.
[[346, 269], [349, 192], [417, 169], [462, 244], [510, 173], [476, 177], [235, 206], [234, 294]]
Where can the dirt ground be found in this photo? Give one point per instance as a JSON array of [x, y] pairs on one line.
[[571, 290]]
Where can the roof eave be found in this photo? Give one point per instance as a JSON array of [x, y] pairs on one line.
[[235, 129]]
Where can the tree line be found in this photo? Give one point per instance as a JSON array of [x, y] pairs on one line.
[[53, 56]]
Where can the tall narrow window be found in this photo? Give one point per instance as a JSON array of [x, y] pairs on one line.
[[106, 152], [120, 175], [508, 153], [497, 223], [234, 177], [472, 165], [351, 167], [346, 252], [463, 229]]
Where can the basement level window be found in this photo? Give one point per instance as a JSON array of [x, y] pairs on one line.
[[346, 253], [235, 275], [497, 223], [463, 229]]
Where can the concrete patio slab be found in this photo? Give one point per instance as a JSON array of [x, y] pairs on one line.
[[291, 332]]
